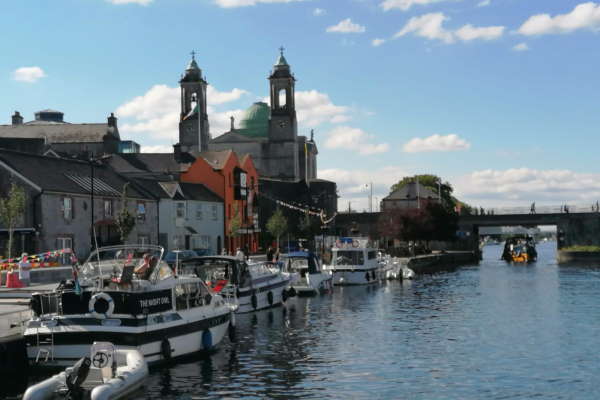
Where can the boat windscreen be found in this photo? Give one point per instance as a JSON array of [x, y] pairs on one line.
[[112, 260], [349, 257]]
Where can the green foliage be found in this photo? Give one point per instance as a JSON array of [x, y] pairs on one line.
[[277, 225], [12, 208], [125, 220], [235, 223], [590, 249], [432, 182]]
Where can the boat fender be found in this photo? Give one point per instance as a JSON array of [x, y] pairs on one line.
[[270, 298], [207, 340], [165, 349], [92, 305], [254, 301], [367, 276], [284, 295]]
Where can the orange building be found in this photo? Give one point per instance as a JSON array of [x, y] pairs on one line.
[[236, 181]]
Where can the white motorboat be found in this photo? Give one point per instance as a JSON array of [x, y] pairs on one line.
[[250, 287], [312, 278], [161, 314], [108, 373], [354, 261]]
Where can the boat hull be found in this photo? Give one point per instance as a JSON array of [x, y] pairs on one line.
[[72, 341]]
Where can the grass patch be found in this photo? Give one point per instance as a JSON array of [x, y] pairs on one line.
[[582, 248]]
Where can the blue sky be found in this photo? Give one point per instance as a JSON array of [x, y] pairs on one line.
[[498, 97]]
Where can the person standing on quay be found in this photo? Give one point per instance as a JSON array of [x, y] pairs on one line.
[[24, 269], [240, 254]]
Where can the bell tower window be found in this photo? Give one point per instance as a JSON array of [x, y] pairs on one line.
[[282, 97]]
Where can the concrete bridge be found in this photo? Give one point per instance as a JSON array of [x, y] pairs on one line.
[[580, 227]]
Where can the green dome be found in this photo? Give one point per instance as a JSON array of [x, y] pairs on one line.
[[255, 121]]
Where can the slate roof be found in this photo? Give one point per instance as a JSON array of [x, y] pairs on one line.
[[216, 159], [56, 132], [197, 191], [144, 163], [67, 176], [409, 192]]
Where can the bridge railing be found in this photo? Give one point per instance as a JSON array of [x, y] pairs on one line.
[[538, 210]]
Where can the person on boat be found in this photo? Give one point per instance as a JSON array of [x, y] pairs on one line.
[[144, 265], [24, 268], [239, 254]]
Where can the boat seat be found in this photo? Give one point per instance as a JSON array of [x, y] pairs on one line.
[[126, 275]]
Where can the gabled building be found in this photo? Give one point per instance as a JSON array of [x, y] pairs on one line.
[[66, 198], [49, 132], [411, 195], [190, 215]]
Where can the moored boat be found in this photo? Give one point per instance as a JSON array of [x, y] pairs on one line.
[[250, 286], [161, 314], [312, 278], [355, 261], [519, 249], [108, 373]]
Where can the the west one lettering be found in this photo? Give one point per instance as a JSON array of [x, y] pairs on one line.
[[158, 301]]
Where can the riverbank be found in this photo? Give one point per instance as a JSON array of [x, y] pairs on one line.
[[571, 256], [438, 262]]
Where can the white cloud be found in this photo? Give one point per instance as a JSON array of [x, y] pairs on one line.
[[436, 143], [583, 16], [317, 12], [430, 26], [28, 74], [377, 42], [404, 4], [354, 139], [346, 26], [522, 186], [469, 32], [246, 3], [521, 47], [484, 3], [155, 114], [140, 2], [315, 108], [157, 149], [353, 184]]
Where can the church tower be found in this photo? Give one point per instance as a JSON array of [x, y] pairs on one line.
[[193, 125], [282, 125]]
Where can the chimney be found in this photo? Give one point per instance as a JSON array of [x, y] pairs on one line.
[[112, 120], [17, 119]]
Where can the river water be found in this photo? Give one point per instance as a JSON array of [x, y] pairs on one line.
[[493, 331]]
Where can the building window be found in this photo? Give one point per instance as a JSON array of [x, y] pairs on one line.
[[67, 207], [180, 209], [143, 240], [141, 211], [215, 213], [64, 242], [108, 208], [199, 212]]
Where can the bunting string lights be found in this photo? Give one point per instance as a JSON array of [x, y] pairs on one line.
[[46, 259], [315, 212]]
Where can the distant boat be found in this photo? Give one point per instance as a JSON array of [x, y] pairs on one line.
[[519, 249]]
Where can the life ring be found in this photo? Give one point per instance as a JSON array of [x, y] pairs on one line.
[[355, 243], [254, 301], [270, 298], [165, 349], [207, 341], [92, 305]]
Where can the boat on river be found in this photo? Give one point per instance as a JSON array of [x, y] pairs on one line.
[[250, 287], [355, 261], [108, 373], [156, 311], [519, 249], [313, 279]]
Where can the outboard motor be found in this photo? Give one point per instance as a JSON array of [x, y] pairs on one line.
[[76, 377]]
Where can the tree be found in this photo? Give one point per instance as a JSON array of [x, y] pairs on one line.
[[125, 220], [12, 208], [277, 225]]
